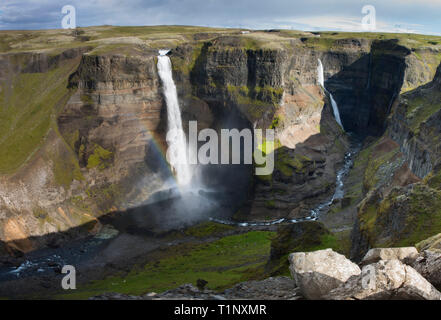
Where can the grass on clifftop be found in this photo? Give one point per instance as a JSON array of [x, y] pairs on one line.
[[166, 35], [222, 263], [25, 40], [329, 39]]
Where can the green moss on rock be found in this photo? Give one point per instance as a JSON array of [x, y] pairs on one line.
[[66, 167], [105, 196], [373, 174], [100, 158], [270, 204], [433, 180], [419, 108], [86, 99], [288, 163], [255, 101], [185, 64], [40, 213], [404, 218]]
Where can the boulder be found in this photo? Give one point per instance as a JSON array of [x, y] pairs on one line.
[[406, 255], [428, 264], [317, 273], [386, 280]]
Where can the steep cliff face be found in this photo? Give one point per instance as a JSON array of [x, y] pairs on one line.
[[369, 85], [36, 165], [113, 124], [408, 213], [415, 126]]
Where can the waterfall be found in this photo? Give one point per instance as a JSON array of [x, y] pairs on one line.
[[177, 143], [335, 109], [321, 77], [321, 81]]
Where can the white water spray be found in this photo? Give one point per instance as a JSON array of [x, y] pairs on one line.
[[177, 143], [321, 80]]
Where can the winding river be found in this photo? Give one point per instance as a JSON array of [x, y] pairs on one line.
[[322, 207]]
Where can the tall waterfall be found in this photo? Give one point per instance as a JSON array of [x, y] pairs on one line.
[[320, 74], [321, 80], [177, 143]]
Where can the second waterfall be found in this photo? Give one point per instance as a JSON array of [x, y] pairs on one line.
[[177, 143], [321, 80]]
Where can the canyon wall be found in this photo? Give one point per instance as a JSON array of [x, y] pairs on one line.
[[103, 145], [402, 204]]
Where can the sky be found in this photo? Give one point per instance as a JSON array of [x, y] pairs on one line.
[[410, 16]]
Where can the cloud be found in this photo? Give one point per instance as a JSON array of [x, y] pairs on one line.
[[344, 15], [348, 24]]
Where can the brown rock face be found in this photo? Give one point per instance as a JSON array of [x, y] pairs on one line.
[[414, 125], [118, 108]]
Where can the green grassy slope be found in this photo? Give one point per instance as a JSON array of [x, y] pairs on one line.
[[222, 263], [27, 108]]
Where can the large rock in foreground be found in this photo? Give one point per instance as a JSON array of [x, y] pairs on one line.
[[386, 280], [428, 264], [317, 273], [406, 255]]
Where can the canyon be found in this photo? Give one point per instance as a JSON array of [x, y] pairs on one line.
[[84, 122]]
